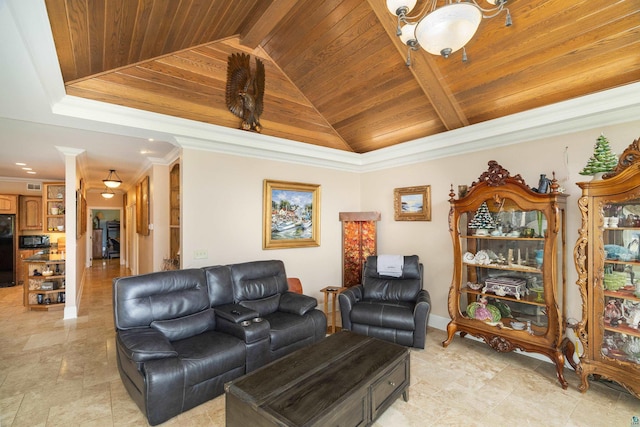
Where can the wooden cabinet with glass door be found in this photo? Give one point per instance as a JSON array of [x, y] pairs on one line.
[[509, 266], [53, 205], [607, 257]]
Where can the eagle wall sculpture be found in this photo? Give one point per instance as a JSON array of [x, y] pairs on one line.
[[245, 90]]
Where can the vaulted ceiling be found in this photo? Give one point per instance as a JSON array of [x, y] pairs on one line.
[[335, 71]]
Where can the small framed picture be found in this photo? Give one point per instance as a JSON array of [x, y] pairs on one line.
[[412, 203]]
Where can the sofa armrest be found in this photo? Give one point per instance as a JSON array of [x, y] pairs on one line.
[[421, 318], [347, 300], [424, 301], [294, 303], [235, 313], [141, 345], [247, 331]]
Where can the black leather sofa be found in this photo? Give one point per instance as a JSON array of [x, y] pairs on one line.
[[394, 309], [181, 335]]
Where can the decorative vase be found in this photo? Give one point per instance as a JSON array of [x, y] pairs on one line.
[[539, 257], [543, 184], [597, 176]]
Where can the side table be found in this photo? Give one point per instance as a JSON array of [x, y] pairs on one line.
[[333, 291]]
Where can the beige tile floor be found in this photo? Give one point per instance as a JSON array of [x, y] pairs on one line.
[[57, 372]]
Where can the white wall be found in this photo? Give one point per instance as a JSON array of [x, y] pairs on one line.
[[222, 207], [222, 214], [566, 155]]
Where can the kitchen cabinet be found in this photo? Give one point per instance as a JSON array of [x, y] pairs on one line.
[[509, 274], [8, 204], [30, 213]]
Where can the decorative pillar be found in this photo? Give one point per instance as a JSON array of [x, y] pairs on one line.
[[359, 240]]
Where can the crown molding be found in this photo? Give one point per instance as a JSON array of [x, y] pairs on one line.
[[615, 106]]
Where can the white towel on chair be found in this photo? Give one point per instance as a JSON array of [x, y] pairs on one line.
[[390, 265]]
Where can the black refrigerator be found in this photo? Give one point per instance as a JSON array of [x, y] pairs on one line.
[[7, 250]]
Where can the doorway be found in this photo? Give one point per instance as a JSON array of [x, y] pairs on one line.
[[105, 233]]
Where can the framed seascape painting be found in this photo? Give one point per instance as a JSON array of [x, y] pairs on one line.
[[290, 215], [412, 203]]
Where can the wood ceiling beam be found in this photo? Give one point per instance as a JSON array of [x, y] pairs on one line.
[[425, 71], [277, 10]]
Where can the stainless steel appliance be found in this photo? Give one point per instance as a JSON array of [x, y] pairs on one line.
[[7, 251], [34, 242]]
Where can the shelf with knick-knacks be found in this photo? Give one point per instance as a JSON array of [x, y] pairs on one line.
[[607, 258], [53, 205], [509, 266], [44, 285]]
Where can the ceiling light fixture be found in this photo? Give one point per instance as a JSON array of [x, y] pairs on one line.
[[112, 182], [107, 193], [442, 30]]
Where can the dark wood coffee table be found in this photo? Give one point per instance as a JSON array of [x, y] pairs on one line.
[[345, 379]]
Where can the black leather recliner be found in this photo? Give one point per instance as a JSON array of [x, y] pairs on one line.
[[394, 309], [181, 335]]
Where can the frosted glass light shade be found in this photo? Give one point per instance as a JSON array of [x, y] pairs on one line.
[[448, 28], [394, 5], [107, 194], [112, 181], [408, 33]]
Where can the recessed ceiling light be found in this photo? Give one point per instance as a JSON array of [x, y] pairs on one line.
[[150, 139], [32, 172], [27, 169], [21, 164]]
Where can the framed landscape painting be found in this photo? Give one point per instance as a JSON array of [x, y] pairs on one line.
[[412, 203], [290, 215]]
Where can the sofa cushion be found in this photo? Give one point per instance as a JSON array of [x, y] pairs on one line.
[[258, 279], [208, 355], [187, 326], [219, 283], [386, 315], [263, 306], [404, 288], [163, 295]]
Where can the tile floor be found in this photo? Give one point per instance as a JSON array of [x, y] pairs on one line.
[[57, 372]]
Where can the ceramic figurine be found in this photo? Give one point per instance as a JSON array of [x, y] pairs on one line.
[[631, 313], [613, 312]]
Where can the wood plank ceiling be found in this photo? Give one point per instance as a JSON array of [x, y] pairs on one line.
[[335, 72]]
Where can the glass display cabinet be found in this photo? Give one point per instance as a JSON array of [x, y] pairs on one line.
[[509, 272], [607, 257]]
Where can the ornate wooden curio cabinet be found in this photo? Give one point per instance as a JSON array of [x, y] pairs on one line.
[[607, 257], [509, 273]]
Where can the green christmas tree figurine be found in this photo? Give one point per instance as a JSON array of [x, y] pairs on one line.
[[482, 219], [603, 159]]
